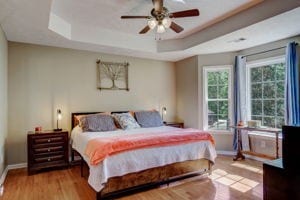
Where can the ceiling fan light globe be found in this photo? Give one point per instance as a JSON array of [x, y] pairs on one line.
[[161, 28], [152, 23], [167, 22]]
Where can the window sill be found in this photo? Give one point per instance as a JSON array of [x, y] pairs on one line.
[[220, 132]]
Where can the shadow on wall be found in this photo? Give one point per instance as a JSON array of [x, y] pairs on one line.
[[2, 157], [18, 152]]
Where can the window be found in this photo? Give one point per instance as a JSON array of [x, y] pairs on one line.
[[217, 95], [266, 92]]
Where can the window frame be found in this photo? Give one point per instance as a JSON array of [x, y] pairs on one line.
[[207, 69], [254, 64]]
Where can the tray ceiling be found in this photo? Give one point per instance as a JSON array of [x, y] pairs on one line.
[[96, 25]]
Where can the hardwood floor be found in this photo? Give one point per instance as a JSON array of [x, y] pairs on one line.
[[230, 180]]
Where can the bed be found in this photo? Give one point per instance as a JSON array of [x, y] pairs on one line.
[[125, 172]]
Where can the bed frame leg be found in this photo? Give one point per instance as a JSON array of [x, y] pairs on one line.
[[98, 195], [81, 166], [209, 168], [72, 156]]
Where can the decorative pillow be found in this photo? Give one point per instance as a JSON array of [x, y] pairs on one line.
[[97, 122], [78, 116], [126, 121], [149, 118]]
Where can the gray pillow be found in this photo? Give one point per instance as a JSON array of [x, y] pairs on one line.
[[97, 122], [148, 118]]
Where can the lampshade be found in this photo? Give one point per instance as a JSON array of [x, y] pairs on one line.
[[152, 23], [167, 22], [161, 28], [164, 109], [59, 116], [164, 112]]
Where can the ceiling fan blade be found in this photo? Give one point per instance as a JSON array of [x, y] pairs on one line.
[[158, 5], [145, 30], [134, 17], [185, 13], [175, 27]]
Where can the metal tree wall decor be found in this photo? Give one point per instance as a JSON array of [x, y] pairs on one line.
[[112, 75]]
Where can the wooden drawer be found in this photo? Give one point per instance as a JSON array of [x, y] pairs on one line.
[[47, 149], [50, 149], [48, 159], [48, 145], [48, 139]]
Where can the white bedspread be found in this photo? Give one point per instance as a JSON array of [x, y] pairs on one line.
[[140, 159]]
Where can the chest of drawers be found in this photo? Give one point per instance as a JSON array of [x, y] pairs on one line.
[[47, 149], [175, 124]]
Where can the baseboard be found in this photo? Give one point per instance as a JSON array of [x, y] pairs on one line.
[[227, 153], [9, 167], [3, 176], [17, 166], [256, 158]]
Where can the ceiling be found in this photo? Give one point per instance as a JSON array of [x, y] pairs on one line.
[[96, 25]]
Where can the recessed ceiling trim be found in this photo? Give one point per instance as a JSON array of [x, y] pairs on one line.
[[224, 16], [59, 25], [262, 11]]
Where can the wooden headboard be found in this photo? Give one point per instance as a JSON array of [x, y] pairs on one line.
[[75, 122]]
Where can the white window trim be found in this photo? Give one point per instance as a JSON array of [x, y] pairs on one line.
[[253, 64], [207, 69]]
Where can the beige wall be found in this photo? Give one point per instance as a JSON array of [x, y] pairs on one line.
[[42, 79], [187, 91], [3, 98]]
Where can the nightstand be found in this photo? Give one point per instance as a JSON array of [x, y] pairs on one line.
[[47, 149], [175, 124]]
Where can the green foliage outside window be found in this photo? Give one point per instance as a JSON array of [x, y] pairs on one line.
[[217, 89], [267, 94]]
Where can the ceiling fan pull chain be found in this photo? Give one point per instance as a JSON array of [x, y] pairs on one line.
[[157, 36]]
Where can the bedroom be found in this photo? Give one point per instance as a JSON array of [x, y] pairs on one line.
[[42, 71]]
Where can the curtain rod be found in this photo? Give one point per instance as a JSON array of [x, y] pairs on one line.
[[265, 51]]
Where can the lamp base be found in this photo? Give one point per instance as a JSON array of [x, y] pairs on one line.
[[57, 129]]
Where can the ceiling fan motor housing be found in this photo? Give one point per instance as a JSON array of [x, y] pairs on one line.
[[160, 15]]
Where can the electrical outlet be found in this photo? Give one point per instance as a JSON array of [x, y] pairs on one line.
[[263, 144]]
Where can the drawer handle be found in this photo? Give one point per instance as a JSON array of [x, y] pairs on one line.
[[49, 150], [49, 159], [49, 140]]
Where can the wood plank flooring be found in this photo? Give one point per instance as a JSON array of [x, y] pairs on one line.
[[241, 180]]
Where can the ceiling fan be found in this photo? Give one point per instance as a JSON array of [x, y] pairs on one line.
[[162, 18]]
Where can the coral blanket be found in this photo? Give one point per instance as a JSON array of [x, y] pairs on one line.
[[99, 148]]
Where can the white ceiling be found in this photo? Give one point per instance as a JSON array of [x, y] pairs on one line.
[[96, 25]]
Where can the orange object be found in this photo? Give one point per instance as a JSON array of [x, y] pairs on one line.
[[38, 129], [99, 148], [241, 123]]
